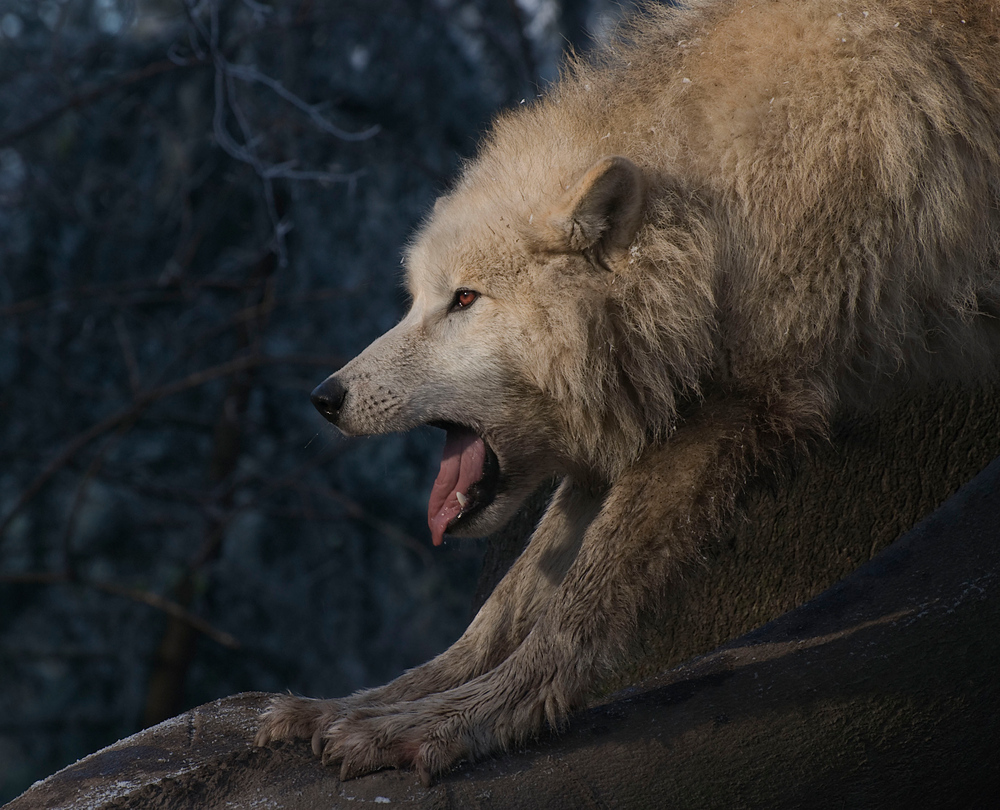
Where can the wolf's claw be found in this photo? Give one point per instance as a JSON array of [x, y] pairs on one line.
[[409, 735], [289, 717]]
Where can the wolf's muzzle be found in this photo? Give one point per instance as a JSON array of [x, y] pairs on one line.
[[328, 397]]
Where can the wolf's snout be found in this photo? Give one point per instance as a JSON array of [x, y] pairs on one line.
[[328, 397]]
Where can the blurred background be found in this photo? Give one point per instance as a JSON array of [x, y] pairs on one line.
[[202, 210]]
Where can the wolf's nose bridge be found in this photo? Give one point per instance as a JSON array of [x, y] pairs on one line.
[[328, 397]]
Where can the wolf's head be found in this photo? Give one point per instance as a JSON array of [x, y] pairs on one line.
[[530, 340]]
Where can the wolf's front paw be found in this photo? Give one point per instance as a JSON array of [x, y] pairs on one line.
[[427, 735], [290, 717]]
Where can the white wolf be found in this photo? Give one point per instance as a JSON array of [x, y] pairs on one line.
[[679, 264]]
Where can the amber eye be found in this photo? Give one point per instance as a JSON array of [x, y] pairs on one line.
[[464, 298]]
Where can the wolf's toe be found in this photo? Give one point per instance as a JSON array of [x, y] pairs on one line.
[[290, 717]]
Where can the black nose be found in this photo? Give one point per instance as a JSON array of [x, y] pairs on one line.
[[328, 397]]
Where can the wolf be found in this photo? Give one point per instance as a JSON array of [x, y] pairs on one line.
[[656, 282]]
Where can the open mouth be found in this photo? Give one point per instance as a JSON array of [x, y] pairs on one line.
[[467, 482]]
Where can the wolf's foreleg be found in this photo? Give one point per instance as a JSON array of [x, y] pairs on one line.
[[652, 521], [499, 627]]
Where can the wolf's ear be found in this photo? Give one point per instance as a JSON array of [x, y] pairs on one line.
[[602, 212]]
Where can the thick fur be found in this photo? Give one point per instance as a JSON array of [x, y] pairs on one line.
[[699, 246]]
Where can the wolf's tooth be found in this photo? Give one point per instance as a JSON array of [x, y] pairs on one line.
[[462, 499]]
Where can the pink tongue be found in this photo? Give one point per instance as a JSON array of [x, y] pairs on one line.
[[461, 467]]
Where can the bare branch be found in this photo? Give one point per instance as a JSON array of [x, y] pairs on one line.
[[128, 354], [250, 74], [172, 609], [358, 512], [78, 500], [89, 96], [153, 600], [128, 414], [246, 152], [258, 8]]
